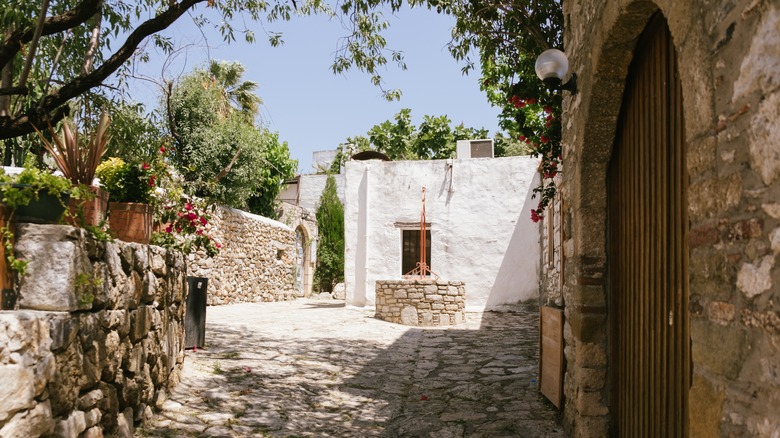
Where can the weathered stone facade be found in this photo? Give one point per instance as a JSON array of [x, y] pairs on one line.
[[729, 67], [256, 262], [304, 222], [97, 337], [421, 302]]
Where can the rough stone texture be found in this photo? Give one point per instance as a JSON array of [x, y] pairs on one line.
[[304, 222], [309, 368], [256, 262], [421, 302], [728, 66], [71, 372]]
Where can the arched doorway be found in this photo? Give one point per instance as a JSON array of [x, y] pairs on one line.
[[301, 262], [648, 253]]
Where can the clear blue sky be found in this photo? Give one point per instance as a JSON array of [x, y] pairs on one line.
[[313, 109]]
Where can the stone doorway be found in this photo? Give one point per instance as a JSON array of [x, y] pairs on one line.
[[648, 253]]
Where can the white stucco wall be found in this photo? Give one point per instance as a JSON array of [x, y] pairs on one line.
[[481, 231], [310, 189]]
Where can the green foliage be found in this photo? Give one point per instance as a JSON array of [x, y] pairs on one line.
[[330, 253], [127, 182], [135, 135], [18, 191], [187, 228], [218, 151], [400, 139], [278, 168]]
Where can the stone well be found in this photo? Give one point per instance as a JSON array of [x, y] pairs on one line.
[[421, 302]]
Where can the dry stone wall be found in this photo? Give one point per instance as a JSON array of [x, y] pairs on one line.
[[96, 337], [421, 302], [256, 262]]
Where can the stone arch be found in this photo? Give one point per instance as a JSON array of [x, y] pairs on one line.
[[601, 61], [304, 274]]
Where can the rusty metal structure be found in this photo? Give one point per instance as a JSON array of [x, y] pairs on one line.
[[422, 270]]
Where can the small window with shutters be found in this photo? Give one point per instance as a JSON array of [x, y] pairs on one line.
[[410, 250]]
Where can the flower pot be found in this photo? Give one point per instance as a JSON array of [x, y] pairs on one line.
[[90, 212], [47, 209], [130, 221]]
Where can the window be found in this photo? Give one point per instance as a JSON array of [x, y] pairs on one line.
[[410, 252]]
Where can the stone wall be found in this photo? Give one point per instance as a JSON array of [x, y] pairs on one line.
[[304, 222], [96, 339], [423, 302], [256, 262], [728, 66]]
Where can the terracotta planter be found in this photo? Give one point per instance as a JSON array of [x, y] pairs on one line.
[[91, 212], [130, 221]]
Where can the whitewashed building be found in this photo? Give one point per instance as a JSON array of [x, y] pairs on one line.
[[479, 226]]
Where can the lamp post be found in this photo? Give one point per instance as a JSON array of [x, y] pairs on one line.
[[551, 67]]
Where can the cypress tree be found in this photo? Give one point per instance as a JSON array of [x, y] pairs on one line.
[[330, 253]]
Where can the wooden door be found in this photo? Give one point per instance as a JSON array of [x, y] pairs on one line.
[[648, 253]]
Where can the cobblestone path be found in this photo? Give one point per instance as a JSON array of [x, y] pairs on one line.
[[317, 369]]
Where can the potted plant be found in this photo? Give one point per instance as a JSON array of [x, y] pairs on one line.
[[34, 196], [78, 160], [131, 187]]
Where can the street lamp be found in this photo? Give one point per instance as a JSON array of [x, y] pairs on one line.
[[551, 67]]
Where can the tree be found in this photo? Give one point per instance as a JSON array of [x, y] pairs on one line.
[[330, 225], [53, 53], [400, 139], [217, 149], [278, 168]]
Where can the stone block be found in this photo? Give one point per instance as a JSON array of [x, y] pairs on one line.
[[58, 263], [705, 408], [159, 267], [93, 432], [92, 417], [434, 297], [409, 316], [437, 306], [149, 288], [399, 294], [141, 323], [90, 400], [720, 312], [71, 426], [36, 422], [16, 389], [755, 279], [63, 330], [590, 404], [64, 387], [709, 343], [590, 355], [124, 423], [415, 296]]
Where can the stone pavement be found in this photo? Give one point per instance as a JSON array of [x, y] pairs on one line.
[[312, 368]]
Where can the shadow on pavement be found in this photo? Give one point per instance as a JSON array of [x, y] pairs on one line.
[[257, 382]]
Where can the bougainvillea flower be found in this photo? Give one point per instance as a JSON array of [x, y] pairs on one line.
[[145, 166]]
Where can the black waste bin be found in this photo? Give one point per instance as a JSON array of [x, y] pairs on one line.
[[195, 313]]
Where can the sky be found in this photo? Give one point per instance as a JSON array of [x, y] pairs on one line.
[[311, 108]]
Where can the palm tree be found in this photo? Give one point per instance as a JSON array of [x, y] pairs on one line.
[[236, 94]]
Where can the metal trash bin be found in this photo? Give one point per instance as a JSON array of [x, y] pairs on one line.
[[195, 313]]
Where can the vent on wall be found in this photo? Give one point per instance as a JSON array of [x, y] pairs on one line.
[[482, 148]]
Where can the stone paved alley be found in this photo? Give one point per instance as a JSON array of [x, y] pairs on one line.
[[319, 369]]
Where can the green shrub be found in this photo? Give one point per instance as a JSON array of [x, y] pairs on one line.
[[330, 224]]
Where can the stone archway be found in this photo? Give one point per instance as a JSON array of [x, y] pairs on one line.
[[303, 274], [602, 50]]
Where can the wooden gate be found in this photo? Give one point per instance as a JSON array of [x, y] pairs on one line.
[[648, 252]]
